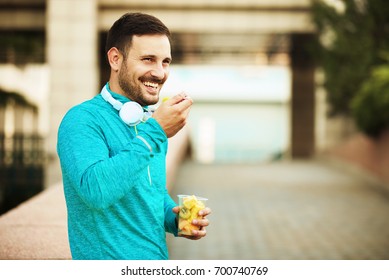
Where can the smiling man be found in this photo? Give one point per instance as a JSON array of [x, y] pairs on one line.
[[112, 151]]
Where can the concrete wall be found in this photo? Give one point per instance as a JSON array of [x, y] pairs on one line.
[[337, 139], [366, 154]]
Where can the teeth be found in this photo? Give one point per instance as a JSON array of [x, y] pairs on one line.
[[150, 84]]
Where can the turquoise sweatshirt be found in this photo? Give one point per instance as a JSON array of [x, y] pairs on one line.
[[114, 180]]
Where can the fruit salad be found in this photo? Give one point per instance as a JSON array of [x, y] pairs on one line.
[[189, 210]]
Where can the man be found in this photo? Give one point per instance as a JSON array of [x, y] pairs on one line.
[[113, 163]]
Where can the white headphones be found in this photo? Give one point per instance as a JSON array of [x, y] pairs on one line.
[[130, 112]]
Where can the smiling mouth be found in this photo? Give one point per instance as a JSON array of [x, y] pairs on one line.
[[151, 85]]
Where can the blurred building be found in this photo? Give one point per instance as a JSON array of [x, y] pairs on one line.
[[21, 151], [56, 49]]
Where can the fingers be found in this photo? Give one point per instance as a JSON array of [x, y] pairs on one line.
[[176, 209], [201, 232], [181, 100], [179, 105], [184, 104], [197, 234], [176, 98], [200, 222], [171, 115], [206, 211]]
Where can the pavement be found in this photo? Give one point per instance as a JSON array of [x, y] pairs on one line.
[[286, 210]]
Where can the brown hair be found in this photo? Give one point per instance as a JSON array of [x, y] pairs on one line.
[[130, 24]]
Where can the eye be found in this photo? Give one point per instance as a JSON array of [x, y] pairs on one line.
[[167, 62], [147, 59]]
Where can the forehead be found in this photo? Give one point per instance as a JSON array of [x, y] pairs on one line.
[[156, 45]]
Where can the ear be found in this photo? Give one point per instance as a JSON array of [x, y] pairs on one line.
[[115, 58]]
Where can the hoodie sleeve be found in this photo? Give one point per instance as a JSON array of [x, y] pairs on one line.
[[101, 180], [170, 216]]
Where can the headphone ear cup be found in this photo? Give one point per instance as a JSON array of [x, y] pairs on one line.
[[131, 113]]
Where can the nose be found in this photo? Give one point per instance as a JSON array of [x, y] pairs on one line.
[[159, 71]]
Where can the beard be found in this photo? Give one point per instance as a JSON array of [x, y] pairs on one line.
[[133, 90]]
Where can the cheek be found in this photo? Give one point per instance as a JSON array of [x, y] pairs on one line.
[[167, 74]]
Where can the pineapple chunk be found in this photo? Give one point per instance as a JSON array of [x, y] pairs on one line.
[[189, 201]]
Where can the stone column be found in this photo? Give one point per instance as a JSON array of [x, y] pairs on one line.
[[2, 136], [3, 107], [72, 57], [302, 101]]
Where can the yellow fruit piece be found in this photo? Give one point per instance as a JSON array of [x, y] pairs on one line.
[[189, 201], [185, 213], [182, 224], [187, 229], [185, 232], [200, 204], [191, 227], [197, 208], [193, 214]]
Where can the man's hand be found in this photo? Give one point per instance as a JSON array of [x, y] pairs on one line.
[[172, 114], [202, 222]]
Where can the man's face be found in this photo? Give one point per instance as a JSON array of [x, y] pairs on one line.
[[146, 68]]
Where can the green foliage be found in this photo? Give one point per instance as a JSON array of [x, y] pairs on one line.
[[354, 40], [370, 107]]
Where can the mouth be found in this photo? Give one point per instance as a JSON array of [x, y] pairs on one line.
[[151, 86]]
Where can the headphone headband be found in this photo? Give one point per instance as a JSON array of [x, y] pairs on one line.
[[108, 97]]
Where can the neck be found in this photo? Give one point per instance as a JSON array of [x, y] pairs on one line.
[[113, 86]]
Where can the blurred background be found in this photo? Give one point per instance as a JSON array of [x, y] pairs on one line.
[[272, 80]]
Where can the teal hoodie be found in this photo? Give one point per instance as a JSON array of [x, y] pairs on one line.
[[114, 179]]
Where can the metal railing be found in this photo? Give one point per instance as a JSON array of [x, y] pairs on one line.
[[22, 161]]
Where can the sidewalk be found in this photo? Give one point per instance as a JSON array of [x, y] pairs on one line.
[[285, 210]]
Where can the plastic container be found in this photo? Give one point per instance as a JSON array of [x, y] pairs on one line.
[[190, 205]]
